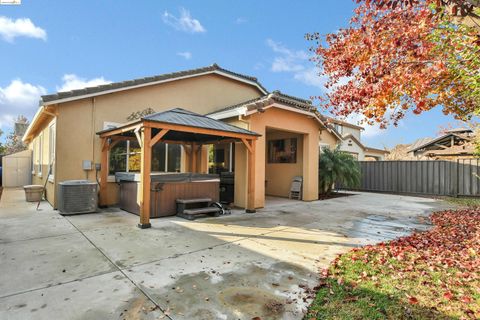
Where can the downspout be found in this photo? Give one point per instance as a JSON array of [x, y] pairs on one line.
[[241, 119], [93, 134]]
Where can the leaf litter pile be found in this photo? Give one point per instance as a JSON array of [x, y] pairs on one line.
[[428, 275]]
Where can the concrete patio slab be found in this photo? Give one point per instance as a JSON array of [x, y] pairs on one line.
[[44, 262], [108, 296], [109, 218], [33, 226], [239, 266], [128, 245]]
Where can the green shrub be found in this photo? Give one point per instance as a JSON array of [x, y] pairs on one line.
[[336, 166]]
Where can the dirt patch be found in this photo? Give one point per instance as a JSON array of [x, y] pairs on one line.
[[273, 292], [245, 300], [275, 307]]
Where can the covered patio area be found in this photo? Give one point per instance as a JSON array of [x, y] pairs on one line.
[[176, 126]]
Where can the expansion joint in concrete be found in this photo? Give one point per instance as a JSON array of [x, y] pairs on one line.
[[121, 271]]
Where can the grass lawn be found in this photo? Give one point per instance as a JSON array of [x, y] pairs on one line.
[[465, 202], [428, 275]]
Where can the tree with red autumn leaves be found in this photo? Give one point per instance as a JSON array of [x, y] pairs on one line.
[[403, 55]]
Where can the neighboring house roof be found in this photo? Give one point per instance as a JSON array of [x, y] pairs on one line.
[[443, 139], [452, 151], [459, 130], [370, 149], [361, 145], [141, 82], [182, 117], [418, 142]]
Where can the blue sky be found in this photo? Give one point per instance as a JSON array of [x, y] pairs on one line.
[[67, 44]]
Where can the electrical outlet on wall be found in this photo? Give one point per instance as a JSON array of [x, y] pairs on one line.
[[87, 165]]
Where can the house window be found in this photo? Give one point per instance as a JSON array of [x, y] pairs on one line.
[[282, 151], [125, 156], [34, 155], [221, 158], [174, 157], [51, 145], [40, 155]]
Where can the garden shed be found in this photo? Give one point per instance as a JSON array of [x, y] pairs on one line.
[[17, 169]]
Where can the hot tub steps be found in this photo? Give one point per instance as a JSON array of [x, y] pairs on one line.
[[191, 208]]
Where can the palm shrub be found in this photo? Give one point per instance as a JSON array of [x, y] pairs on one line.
[[336, 166]]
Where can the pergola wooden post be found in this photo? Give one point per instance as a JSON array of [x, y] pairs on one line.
[[104, 171], [143, 196], [193, 159], [251, 145]]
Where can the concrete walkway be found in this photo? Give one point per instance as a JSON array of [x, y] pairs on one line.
[[101, 266]]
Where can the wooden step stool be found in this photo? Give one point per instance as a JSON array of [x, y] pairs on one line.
[[191, 208]]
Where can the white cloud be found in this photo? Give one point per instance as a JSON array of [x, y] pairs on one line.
[[286, 53], [21, 98], [311, 77], [241, 20], [187, 55], [18, 98], [285, 64], [183, 23], [295, 62], [258, 66], [23, 27], [72, 82]]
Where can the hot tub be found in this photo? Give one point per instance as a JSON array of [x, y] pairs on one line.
[[166, 188]]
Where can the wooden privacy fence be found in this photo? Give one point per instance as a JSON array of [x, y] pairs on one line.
[[439, 177]]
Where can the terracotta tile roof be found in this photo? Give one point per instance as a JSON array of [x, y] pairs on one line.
[[146, 80], [276, 95]]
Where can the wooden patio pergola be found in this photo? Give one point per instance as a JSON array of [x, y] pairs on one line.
[[176, 126]]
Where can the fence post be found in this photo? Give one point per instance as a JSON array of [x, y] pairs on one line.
[[457, 182]]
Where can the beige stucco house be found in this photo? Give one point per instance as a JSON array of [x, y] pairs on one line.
[[65, 145], [351, 142]]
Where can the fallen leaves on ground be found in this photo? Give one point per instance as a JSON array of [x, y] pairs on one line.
[[432, 274]]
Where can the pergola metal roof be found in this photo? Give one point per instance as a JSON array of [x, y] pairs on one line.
[[187, 123]]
